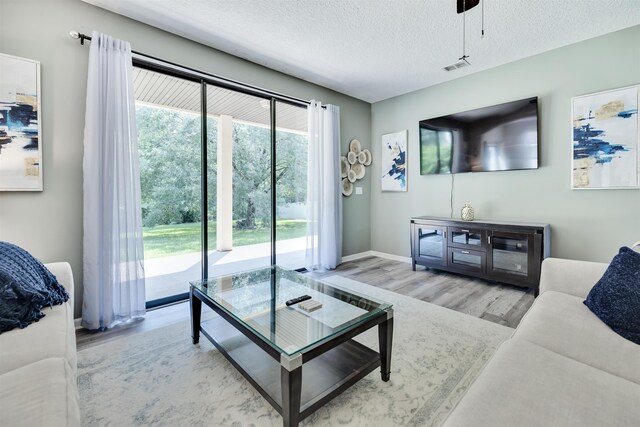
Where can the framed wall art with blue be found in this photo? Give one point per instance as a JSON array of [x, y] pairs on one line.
[[605, 151]]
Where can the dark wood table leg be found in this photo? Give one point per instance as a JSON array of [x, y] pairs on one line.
[[291, 390], [196, 312], [385, 337]]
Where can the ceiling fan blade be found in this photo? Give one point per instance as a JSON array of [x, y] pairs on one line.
[[468, 4]]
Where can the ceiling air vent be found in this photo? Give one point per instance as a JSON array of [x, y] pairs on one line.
[[456, 66]]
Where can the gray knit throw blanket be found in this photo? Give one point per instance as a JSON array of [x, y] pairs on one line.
[[26, 286]]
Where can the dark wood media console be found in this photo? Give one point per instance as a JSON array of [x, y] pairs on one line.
[[507, 252]]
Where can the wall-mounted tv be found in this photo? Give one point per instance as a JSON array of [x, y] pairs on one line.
[[497, 138]]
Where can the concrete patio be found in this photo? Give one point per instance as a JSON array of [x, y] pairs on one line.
[[170, 275]]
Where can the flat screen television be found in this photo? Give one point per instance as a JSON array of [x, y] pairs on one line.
[[497, 138]]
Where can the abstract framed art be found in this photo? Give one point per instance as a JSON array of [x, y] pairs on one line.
[[393, 160], [604, 153], [20, 124]]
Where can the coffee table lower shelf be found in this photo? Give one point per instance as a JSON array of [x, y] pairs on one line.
[[323, 378]]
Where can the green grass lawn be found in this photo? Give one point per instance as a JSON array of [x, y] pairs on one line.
[[164, 240]]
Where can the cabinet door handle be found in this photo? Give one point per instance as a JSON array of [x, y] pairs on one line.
[[488, 240], [444, 234], [465, 231], [464, 252]]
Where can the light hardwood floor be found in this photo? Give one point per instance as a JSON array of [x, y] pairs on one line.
[[494, 302], [498, 303]]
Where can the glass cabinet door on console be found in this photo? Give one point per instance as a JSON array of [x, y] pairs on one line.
[[463, 259], [430, 243], [466, 237], [510, 254]]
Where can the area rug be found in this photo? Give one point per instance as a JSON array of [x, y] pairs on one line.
[[159, 378]]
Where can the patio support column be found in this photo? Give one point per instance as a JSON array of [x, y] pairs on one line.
[[224, 199]]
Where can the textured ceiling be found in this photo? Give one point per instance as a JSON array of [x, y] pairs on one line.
[[377, 49]]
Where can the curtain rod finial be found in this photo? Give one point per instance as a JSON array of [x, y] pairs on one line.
[[74, 34]]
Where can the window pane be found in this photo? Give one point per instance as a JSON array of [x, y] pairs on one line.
[[168, 116], [291, 184], [239, 181]]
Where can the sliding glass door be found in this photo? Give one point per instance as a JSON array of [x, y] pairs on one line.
[[238, 181], [291, 184], [168, 116], [223, 177]]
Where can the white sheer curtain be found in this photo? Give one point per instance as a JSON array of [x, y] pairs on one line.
[[113, 252], [324, 198]]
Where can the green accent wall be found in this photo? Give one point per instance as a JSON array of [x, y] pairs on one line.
[[586, 224]]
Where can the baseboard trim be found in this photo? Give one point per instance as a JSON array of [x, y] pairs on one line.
[[378, 254], [359, 255], [391, 256], [77, 323]]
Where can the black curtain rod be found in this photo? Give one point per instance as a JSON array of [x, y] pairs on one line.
[[82, 37], [231, 84]]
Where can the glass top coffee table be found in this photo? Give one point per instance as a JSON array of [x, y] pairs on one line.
[[297, 359]]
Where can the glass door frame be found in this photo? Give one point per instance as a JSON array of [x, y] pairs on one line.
[[532, 268], [204, 79], [436, 262]]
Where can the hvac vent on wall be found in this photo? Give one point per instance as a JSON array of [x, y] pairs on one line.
[[456, 66]]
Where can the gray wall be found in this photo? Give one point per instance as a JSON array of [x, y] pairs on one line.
[[49, 224], [588, 225]]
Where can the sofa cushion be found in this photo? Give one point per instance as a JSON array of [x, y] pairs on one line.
[[52, 336], [527, 385], [26, 286], [43, 393], [570, 276], [561, 323], [615, 299]]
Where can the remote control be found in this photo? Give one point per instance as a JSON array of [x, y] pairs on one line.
[[297, 300]]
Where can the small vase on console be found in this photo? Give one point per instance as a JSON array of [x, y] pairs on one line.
[[467, 212]]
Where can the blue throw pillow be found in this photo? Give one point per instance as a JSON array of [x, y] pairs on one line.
[[615, 299], [26, 286]]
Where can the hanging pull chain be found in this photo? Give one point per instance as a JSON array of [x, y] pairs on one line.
[[464, 31], [482, 33], [464, 27]]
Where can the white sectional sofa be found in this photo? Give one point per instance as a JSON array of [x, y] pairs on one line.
[[38, 367], [562, 366]]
